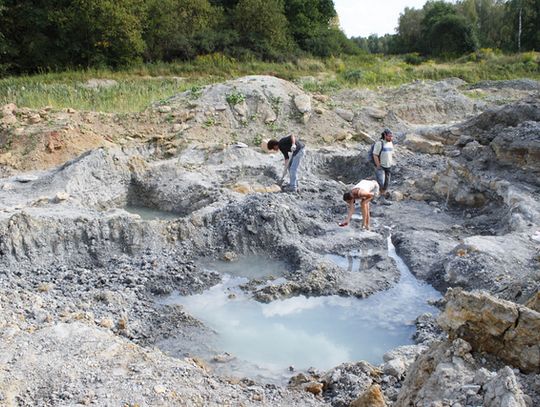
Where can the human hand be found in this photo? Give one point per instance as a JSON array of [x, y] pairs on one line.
[[343, 224], [293, 148]]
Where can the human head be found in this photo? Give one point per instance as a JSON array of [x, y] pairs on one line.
[[272, 144], [386, 134], [347, 196]]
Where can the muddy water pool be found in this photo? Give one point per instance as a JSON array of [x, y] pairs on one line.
[[265, 341]]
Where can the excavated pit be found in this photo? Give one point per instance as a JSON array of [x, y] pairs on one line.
[[135, 244], [272, 341]]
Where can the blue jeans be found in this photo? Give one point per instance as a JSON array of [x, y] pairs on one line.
[[293, 168], [383, 177]]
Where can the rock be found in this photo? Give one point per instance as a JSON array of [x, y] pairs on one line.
[[9, 109], [164, 109], [34, 119], [106, 323], [230, 256], [319, 110], [363, 136], [417, 143], [472, 150], [345, 114], [314, 388], [342, 135], [8, 119], [394, 367], [7, 186], [160, 389], [377, 114], [61, 196], [328, 139], [372, 397], [302, 103], [241, 109], [504, 391], [502, 328], [396, 196], [321, 98], [534, 302]]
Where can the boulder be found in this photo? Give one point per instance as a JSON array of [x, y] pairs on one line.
[[372, 397], [419, 144], [502, 328], [302, 103], [345, 114]]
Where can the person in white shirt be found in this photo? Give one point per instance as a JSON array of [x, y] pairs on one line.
[[365, 190], [383, 157]]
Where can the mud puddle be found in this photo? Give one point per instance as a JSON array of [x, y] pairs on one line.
[[266, 341]]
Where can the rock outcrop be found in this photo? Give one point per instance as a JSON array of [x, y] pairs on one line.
[[502, 328]]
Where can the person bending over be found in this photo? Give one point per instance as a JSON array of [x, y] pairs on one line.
[[365, 190], [293, 146]]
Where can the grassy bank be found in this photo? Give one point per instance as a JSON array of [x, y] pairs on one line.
[[139, 86]]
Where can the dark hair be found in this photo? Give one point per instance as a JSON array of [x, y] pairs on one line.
[[347, 196], [271, 144], [385, 132]]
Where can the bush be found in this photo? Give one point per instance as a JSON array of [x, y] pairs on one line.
[[413, 58]]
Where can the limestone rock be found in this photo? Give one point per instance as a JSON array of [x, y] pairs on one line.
[[534, 302], [394, 367], [375, 113], [34, 119], [363, 136], [505, 329], [345, 114], [302, 103], [372, 397], [164, 109], [503, 390], [321, 98], [417, 143]]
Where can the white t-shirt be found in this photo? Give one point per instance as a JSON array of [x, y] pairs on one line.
[[370, 186], [385, 151]]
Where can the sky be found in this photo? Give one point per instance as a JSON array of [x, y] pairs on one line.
[[361, 18]]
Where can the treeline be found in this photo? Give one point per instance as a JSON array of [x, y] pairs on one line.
[[63, 34], [59, 34], [451, 29]]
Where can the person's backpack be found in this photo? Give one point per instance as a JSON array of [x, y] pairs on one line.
[[370, 152]]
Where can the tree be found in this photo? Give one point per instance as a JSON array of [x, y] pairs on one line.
[[62, 33], [409, 30], [444, 32], [262, 27], [175, 28], [523, 18], [309, 19]]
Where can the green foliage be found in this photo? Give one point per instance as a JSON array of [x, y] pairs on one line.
[[235, 98], [353, 76], [413, 58], [58, 34], [176, 28], [257, 139], [262, 27]]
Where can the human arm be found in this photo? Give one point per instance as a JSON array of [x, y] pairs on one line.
[[377, 149], [293, 143], [350, 211]]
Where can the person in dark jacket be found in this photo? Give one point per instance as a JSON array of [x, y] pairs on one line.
[[293, 150]]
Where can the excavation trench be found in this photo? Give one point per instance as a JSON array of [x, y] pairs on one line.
[[272, 341]]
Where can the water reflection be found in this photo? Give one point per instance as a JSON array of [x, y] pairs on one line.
[[319, 332]]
